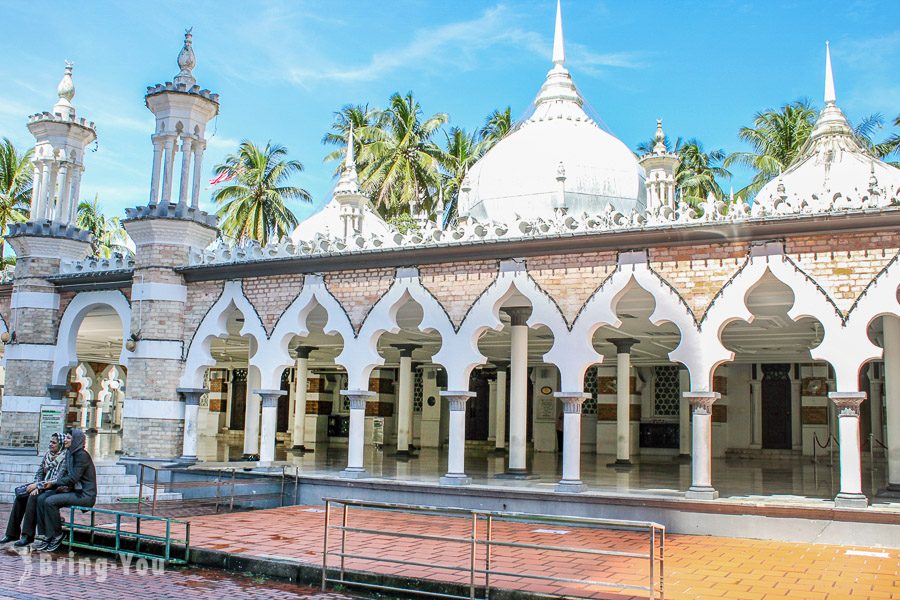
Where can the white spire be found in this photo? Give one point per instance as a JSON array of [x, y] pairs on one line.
[[829, 78], [348, 184], [559, 49]]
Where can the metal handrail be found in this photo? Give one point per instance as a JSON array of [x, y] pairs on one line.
[[830, 443], [221, 480], [480, 576]]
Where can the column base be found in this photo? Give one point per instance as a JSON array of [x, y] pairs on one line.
[[499, 452], [851, 501], [701, 493], [521, 474], [250, 457], [621, 465], [301, 449], [568, 486], [682, 458], [353, 473], [455, 479], [186, 459]]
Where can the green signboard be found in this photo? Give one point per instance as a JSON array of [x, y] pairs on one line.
[[53, 420]]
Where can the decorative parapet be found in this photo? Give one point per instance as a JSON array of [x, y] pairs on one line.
[[170, 211], [49, 229], [561, 224], [181, 88], [70, 119], [95, 264]]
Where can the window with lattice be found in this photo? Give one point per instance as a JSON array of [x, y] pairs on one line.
[[590, 386], [417, 390], [667, 391]]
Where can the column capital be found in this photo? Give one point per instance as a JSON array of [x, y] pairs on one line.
[[406, 350], [358, 398], [847, 403], [623, 345], [269, 397], [500, 365], [572, 401], [192, 395], [303, 351], [701, 402], [456, 400], [518, 315]]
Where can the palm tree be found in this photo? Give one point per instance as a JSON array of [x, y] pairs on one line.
[[361, 118], [109, 235], [253, 201], [890, 146], [699, 173], [402, 171], [461, 152], [776, 138], [15, 187], [496, 126]]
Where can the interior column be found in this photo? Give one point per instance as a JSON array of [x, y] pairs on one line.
[[356, 441], [251, 413], [701, 456], [518, 390], [191, 421], [847, 404], [500, 409], [269, 423], [623, 400], [298, 436], [404, 399]]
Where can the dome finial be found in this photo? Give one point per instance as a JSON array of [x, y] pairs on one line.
[[829, 78], [660, 146], [66, 88], [559, 49], [187, 61]]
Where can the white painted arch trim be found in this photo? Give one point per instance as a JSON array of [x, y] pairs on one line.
[[172, 292], [38, 352], [46, 300], [137, 408], [78, 308]]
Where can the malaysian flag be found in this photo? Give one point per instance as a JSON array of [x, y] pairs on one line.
[[226, 175]]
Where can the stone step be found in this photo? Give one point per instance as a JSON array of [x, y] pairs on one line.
[[7, 497], [20, 478], [102, 488], [102, 468]]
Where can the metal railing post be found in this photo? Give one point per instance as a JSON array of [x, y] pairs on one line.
[[155, 488], [472, 556], [231, 507], [487, 557], [140, 486], [325, 544], [343, 539], [296, 484], [662, 563], [652, 560], [282, 486]]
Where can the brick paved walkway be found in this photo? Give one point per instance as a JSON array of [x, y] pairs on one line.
[[696, 566], [25, 577]]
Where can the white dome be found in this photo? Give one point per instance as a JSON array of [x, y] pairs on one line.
[[557, 158]]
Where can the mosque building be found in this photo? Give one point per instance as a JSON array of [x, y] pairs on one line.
[[575, 292]]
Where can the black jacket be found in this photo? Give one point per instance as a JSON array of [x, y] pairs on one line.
[[79, 474]]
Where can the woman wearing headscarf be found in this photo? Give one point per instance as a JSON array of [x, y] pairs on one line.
[[21, 523], [75, 486]]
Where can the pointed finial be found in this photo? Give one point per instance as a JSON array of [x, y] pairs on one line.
[[66, 88], [829, 78], [559, 50], [731, 194], [350, 161], [186, 61], [660, 137]]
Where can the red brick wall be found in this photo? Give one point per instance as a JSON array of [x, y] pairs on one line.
[[458, 285], [359, 290], [270, 296], [570, 279]]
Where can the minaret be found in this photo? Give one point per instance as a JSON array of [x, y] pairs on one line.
[[660, 166], [60, 141], [348, 194], [182, 111]]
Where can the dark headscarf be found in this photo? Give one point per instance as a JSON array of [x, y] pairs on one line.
[[75, 447]]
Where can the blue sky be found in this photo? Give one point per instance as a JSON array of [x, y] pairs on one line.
[[283, 68]]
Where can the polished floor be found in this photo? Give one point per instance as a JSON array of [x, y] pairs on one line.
[[749, 479]]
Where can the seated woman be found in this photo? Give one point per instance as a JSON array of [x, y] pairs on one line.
[[22, 516], [75, 486]]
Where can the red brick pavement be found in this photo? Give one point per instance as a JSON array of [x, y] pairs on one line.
[[695, 566]]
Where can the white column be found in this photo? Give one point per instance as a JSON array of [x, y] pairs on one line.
[[35, 191], [404, 398], [65, 175], [623, 400], [46, 190], [191, 418], [198, 174], [158, 150], [492, 409], [170, 143], [571, 470], [251, 414], [456, 451], [185, 183], [355, 443], [701, 456], [298, 438], [891, 327], [98, 414], [847, 404], [518, 390], [500, 413], [876, 385], [74, 193], [269, 423]]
